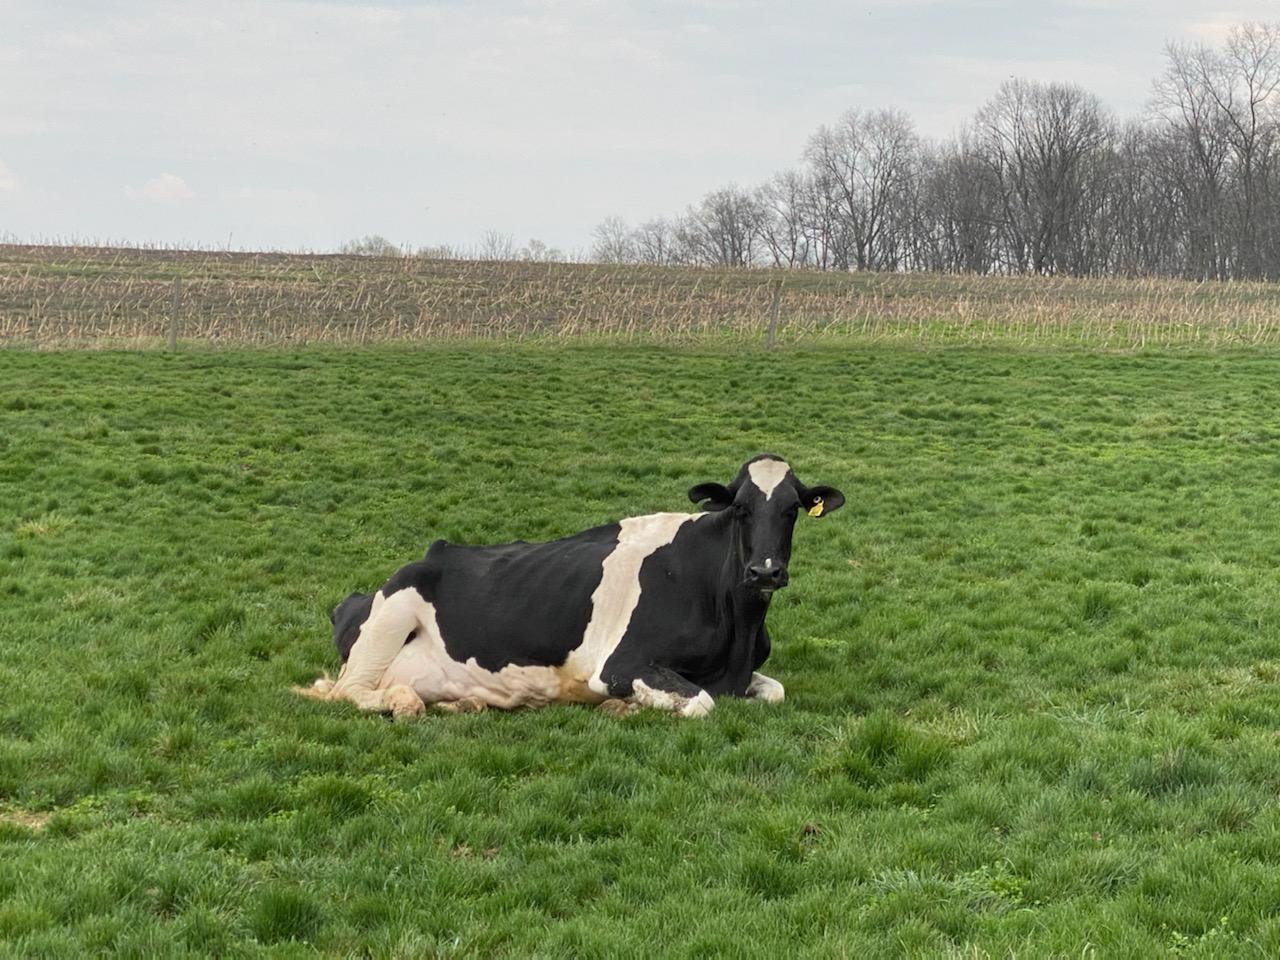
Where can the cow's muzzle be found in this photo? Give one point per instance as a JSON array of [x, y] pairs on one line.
[[767, 576]]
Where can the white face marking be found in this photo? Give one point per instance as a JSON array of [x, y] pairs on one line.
[[768, 563], [767, 474], [615, 599]]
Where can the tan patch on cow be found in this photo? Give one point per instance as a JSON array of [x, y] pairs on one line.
[[403, 702], [323, 685], [465, 705]]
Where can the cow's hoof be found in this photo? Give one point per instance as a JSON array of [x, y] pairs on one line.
[[765, 689], [696, 707], [317, 691], [618, 708], [465, 705], [403, 702], [322, 686]]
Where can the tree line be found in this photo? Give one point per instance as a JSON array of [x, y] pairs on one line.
[[494, 245], [1043, 179]]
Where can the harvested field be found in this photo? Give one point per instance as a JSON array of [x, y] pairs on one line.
[[59, 297]]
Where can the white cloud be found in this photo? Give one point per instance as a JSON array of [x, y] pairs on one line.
[[8, 182], [166, 188]]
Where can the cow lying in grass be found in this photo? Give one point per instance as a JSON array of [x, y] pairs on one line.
[[664, 611]]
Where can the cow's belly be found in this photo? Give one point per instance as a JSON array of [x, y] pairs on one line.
[[426, 666]]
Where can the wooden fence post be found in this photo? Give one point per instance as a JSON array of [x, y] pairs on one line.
[[773, 314], [174, 310]]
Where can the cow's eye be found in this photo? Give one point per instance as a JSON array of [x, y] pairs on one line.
[[742, 510]]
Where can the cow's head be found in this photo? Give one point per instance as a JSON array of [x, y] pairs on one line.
[[763, 502]]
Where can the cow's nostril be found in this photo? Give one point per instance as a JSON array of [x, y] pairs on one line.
[[770, 574]]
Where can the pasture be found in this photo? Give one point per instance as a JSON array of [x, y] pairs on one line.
[[1031, 667]]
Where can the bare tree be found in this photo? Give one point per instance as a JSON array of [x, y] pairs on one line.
[[438, 251], [1196, 154], [497, 246], [538, 252], [958, 225], [867, 160], [824, 228], [611, 241], [371, 245], [1227, 98], [1036, 139], [654, 242], [722, 230], [1043, 180], [782, 204], [1143, 212]]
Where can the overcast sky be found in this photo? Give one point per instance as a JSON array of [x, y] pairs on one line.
[[299, 125]]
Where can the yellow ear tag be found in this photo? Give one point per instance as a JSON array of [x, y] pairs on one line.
[[816, 509]]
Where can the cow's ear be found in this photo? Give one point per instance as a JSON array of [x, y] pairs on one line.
[[716, 495], [819, 501]]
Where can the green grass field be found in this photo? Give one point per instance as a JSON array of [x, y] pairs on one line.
[[1031, 667]]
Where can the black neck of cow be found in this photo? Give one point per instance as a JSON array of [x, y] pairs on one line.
[[721, 535], [742, 606]]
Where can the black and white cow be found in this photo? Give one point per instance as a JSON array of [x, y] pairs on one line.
[[665, 610]]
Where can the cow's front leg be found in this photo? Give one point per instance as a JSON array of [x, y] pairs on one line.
[[765, 689], [661, 689]]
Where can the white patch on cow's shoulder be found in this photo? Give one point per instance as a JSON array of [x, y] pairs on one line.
[[618, 594], [692, 707], [765, 689], [767, 474]]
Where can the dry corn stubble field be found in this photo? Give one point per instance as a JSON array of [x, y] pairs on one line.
[[99, 297]]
